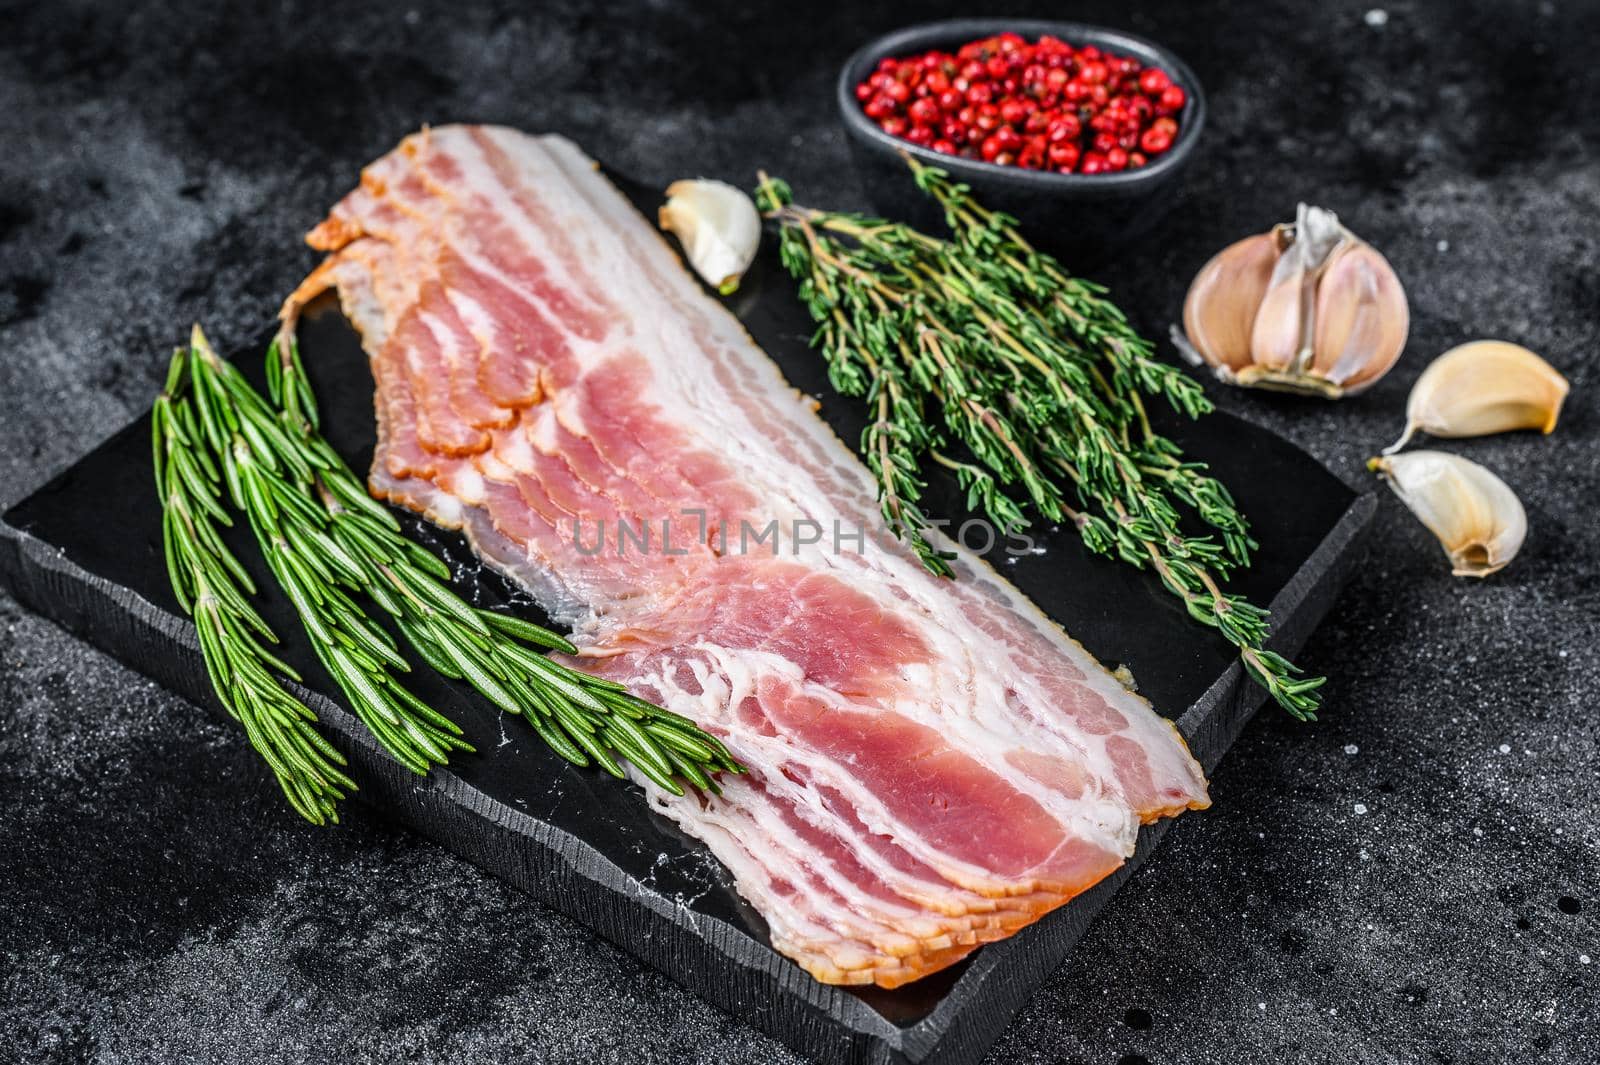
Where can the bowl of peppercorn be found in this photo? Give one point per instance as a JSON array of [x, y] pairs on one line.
[[1080, 128]]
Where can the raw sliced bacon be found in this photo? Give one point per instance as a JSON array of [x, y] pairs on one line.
[[933, 764]]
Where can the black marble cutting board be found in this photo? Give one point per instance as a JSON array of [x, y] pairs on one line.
[[85, 550]]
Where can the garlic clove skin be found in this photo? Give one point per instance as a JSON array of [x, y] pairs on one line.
[[1362, 319], [1479, 521], [1220, 310], [1487, 386], [718, 226], [1278, 335], [1281, 342]]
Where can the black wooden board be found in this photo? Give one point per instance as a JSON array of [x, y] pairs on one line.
[[85, 550]]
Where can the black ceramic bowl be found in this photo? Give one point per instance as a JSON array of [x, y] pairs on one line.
[[1096, 209]]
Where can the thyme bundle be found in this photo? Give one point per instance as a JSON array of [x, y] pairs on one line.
[[328, 543], [978, 353]]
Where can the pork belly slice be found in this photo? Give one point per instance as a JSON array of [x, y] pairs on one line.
[[934, 764]]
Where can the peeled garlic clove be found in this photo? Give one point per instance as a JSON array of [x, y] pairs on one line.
[[718, 226], [1220, 310], [1361, 319], [1487, 386], [1479, 521]]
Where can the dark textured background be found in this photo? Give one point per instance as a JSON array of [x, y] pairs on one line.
[[1413, 879]]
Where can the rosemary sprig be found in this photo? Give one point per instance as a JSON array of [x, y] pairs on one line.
[[329, 544], [979, 341], [268, 478], [214, 588], [580, 716]]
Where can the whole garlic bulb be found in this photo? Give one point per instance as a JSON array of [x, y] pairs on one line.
[[1308, 307], [1479, 521]]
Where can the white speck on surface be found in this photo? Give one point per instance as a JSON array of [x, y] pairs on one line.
[[1261, 1005], [1505, 748], [1443, 246], [1361, 807], [1351, 748], [1377, 18], [1583, 959], [1366, 855], [1477, 831]]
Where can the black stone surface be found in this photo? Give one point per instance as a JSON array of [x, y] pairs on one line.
[[1414, 879]]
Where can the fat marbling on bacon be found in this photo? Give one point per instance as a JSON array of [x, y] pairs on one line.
[[933, 763]]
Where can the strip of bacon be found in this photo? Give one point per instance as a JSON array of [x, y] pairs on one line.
[[933, 764]]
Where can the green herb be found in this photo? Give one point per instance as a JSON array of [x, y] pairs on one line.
[[328, 544], [983, 355], [212, 586], [579, 715]]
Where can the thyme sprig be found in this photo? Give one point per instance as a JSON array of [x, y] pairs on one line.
[[328, 544], [979, 343]]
